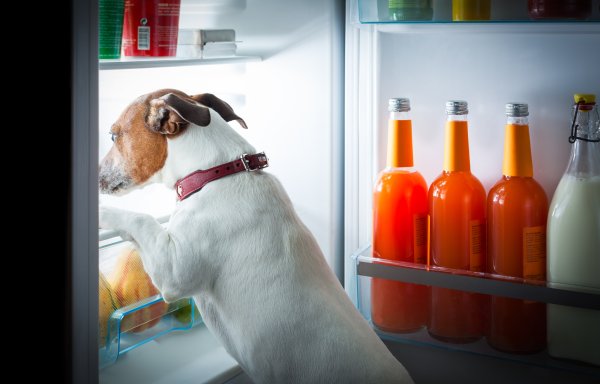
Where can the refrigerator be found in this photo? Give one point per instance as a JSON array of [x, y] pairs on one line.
[[312, 80]]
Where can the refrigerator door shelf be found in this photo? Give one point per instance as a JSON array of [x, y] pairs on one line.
[[477, 282], [440, 11], [489, 287]]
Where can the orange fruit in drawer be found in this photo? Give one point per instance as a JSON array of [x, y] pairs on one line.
[[130, 284], [106, 306]]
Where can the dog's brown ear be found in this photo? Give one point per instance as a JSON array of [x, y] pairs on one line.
[[170, 114], [219, 106]]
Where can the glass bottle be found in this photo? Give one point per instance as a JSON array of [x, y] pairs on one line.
[[457, 214], [471, 10], [517, 209], [560, 9], [574, 239], [399, 228], [410, 10]]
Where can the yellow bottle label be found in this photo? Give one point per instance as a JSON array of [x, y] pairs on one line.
[[476, 246], [517, 151], [534, 253], [400, 151], [456, 147], [420, 238]]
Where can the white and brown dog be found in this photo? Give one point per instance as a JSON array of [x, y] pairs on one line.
[[237, 246]]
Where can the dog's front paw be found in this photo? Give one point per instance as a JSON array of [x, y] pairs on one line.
[[114, 218], [126, 236], [109, 218]]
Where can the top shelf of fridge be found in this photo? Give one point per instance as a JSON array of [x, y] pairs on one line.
[[491, 12], [155, 62]]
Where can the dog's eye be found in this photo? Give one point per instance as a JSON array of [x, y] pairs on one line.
[[112, 136]]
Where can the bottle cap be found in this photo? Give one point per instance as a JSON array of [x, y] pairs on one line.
[[584, 102], [457, 107], [399, 104], [585, 98], [517, 109]]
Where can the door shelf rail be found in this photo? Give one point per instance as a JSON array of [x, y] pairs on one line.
[[477, 282]]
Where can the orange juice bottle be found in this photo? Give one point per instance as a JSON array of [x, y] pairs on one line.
[[517, 209], [457, 214], [399, 228]]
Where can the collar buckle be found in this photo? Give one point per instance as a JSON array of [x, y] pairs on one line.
[[263, 162]]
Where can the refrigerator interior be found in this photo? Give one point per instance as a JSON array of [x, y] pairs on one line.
[[286, 83], [291, 98], [271, 92], [487, 64]]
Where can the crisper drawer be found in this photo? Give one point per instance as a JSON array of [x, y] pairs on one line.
[[478, 313], [131, 310]]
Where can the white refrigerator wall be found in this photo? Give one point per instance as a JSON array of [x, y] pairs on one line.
[[487, 69], [487, 65], [292, 102]]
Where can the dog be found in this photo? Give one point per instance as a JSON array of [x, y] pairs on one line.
[[256, 273]]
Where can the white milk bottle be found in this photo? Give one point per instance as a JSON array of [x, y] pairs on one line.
[[574, 239]]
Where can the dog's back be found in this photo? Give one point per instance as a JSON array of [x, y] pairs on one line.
[[275, 303]]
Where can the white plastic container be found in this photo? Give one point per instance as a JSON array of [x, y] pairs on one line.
[[206, 43]]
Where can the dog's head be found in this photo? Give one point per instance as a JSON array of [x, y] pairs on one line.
[[141, 132]]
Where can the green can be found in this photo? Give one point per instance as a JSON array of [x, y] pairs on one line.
[[110, 28]]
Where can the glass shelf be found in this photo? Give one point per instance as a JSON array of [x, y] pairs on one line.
[[501, 12], [155, 62], [489, 289], [477, 282]]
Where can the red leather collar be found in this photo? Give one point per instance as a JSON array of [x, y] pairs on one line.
[[195, 181]]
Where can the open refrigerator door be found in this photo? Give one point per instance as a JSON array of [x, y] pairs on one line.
[[425, 52]]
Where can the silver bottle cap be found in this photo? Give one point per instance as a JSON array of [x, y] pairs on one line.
[[517, 109], [399, 104], [457, 107]]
